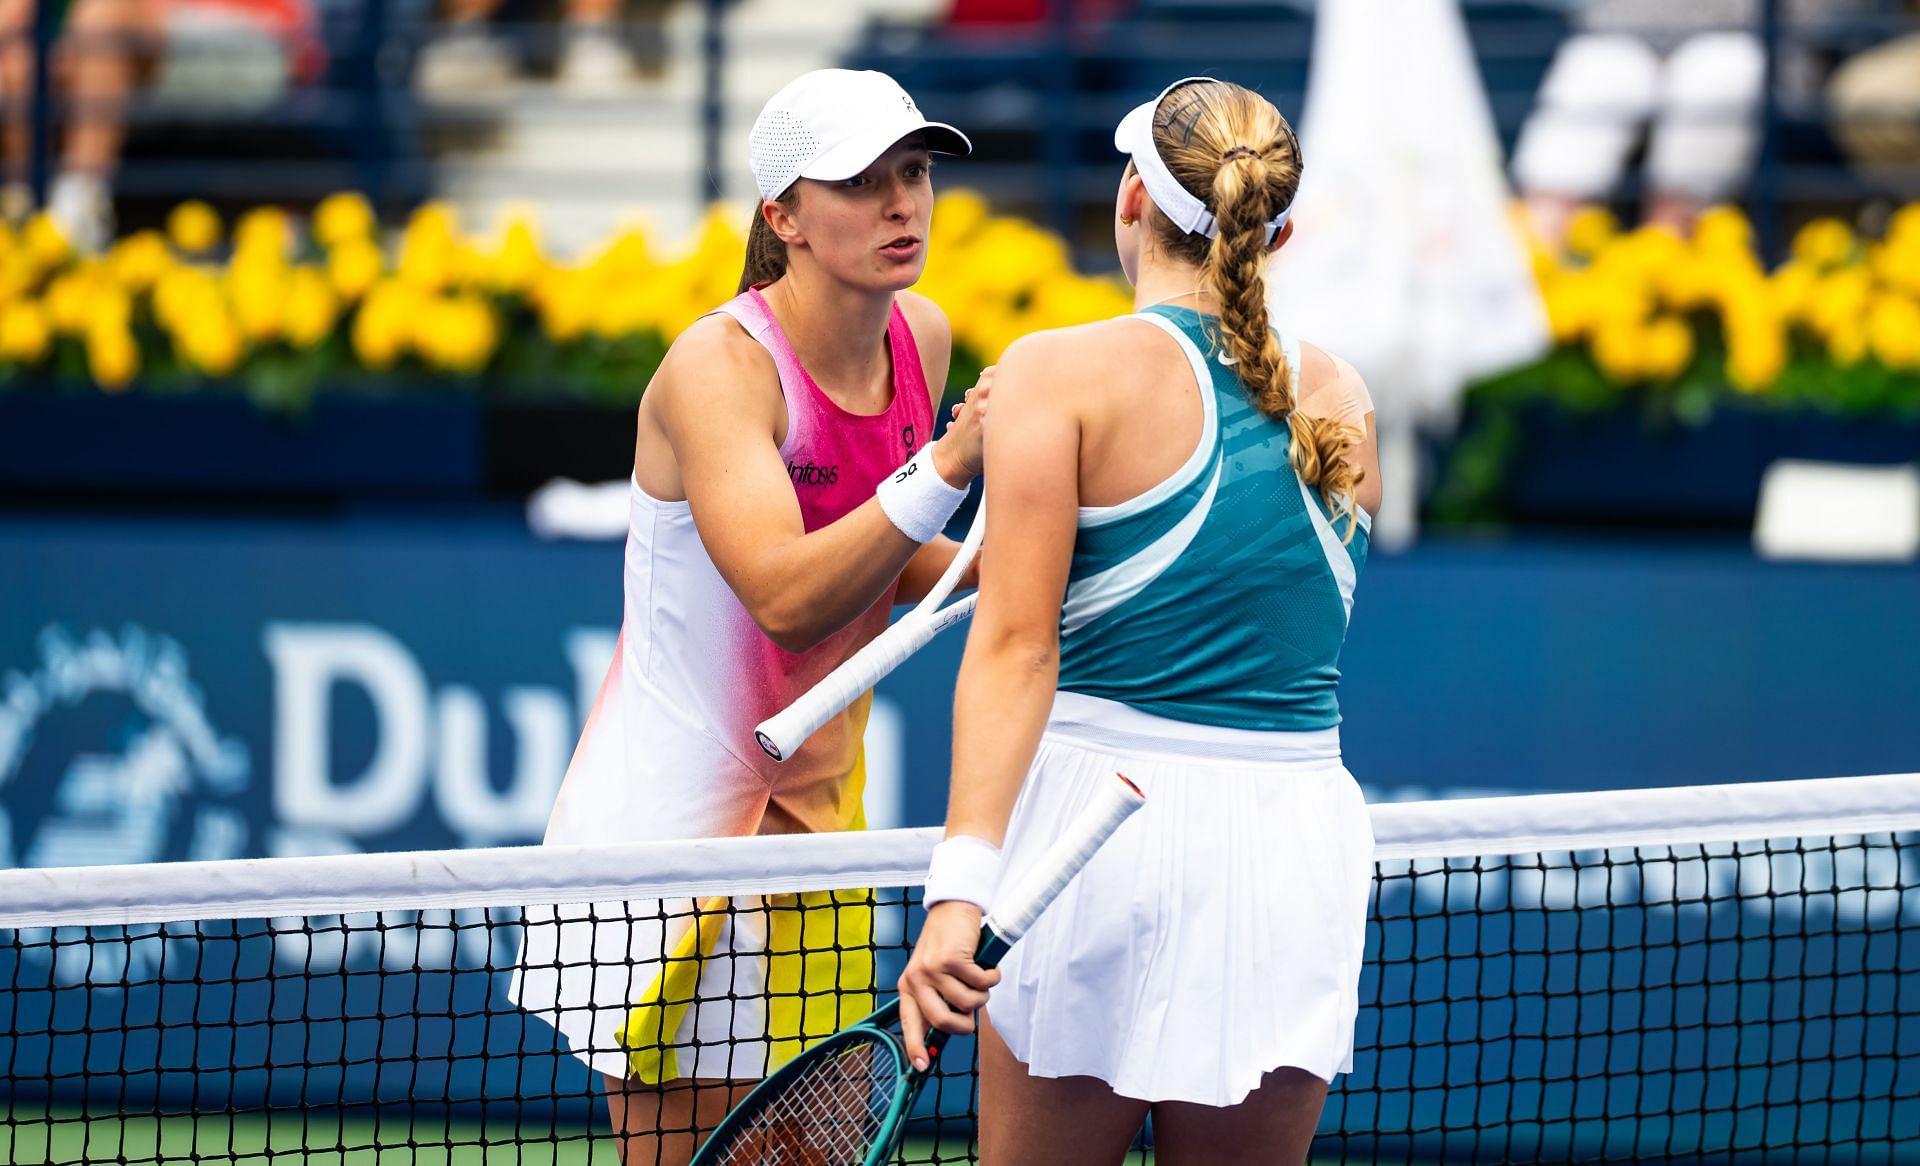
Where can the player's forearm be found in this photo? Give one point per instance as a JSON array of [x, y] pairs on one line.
[[804, 590], [1001, 701], [926, 567]]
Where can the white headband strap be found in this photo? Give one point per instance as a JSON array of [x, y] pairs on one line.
[[1134, 137]]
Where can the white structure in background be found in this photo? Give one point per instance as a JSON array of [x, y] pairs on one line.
[[564, 508], [1838, 513], [1405, 260], [588, 165]]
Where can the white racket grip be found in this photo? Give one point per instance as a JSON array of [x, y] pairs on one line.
[[784, 732], [1016, 911]]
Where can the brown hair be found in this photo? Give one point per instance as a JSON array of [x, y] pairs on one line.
[[1230, 148], [766, 254]]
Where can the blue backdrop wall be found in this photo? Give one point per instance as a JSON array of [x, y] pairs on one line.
[[278, 687], [174, 689]]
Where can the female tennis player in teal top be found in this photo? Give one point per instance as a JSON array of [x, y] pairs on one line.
[[1180, 504]]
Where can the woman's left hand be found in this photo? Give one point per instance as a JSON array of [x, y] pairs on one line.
[[942, 986]]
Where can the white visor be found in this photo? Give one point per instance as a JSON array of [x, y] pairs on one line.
[[1134, 137]]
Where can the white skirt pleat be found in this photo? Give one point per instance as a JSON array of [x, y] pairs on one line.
[[1217, 936]]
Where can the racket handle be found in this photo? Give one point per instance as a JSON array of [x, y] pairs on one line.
[[1014, 913], [783, 733]]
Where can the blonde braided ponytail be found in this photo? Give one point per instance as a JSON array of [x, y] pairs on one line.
[[1229, 147]]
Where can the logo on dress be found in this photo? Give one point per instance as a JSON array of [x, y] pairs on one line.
[[907, 435], [809, 474]]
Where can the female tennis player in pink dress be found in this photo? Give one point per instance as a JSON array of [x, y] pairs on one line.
[[786, 493], [1180, 504]]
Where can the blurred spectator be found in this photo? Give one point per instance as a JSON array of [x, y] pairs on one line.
[[1693, 68], [103, 47], [233, 54], [996, 12], [1875, 103], [468, 57]]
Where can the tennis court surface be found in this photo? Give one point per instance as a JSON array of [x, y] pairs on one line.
[[1692, 975]]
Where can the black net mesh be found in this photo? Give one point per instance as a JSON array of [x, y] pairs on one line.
[[1749, 1002]]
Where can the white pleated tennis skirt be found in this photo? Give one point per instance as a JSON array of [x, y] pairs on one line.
[[1217, 936]]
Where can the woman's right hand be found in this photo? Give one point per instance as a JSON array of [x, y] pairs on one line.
[[959, 452], [943, 987]]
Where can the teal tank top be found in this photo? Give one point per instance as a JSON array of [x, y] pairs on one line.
[[1220, 596]]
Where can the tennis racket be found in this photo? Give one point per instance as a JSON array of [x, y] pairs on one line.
[[846, 1100], [783, 733]]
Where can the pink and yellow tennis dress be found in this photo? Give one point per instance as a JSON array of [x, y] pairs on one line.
[[637, 989]]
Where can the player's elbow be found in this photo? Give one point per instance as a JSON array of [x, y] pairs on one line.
[[792, 627], [1023, 652]]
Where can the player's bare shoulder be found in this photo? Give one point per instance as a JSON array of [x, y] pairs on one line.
[[1081, 354], [715, 364], [928, 321]]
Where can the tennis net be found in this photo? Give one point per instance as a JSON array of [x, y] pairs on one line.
[[1708, 974]]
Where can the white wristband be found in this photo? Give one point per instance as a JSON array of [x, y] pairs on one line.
[[965, 868], [917, 499]]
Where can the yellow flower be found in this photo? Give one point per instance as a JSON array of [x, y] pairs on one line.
[[1668, 348], [258, 289], [435, 219], [1569, 307], [1840, 300], [722, 243], [627, 256], [1893, 332], [1792, 289], [44, 243], [1722, 230], [18, 273], [25, 332], [194, 227], [353, 267], [1620, 349], [139, 260], [565, 304], [1847, 344], [183, 294], [1823, 243], [1066, 300], [458, 334], [1904, 226], [1756, 352], [384, 326], [1619, 298], [109, 307], [1685, 283], [68, 300], [956, 215], [518, 261], [261, 234], [341, 219], [311, 308], [426, 260], [211, 342], [1735, 278], [112, 356], [1590, 230], [1896, 263], [621, 311]]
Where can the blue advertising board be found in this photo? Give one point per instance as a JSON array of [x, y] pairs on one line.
[[174, 689], [178, 689]]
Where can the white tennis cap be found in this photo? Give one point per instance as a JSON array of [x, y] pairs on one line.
[[832, 123]]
